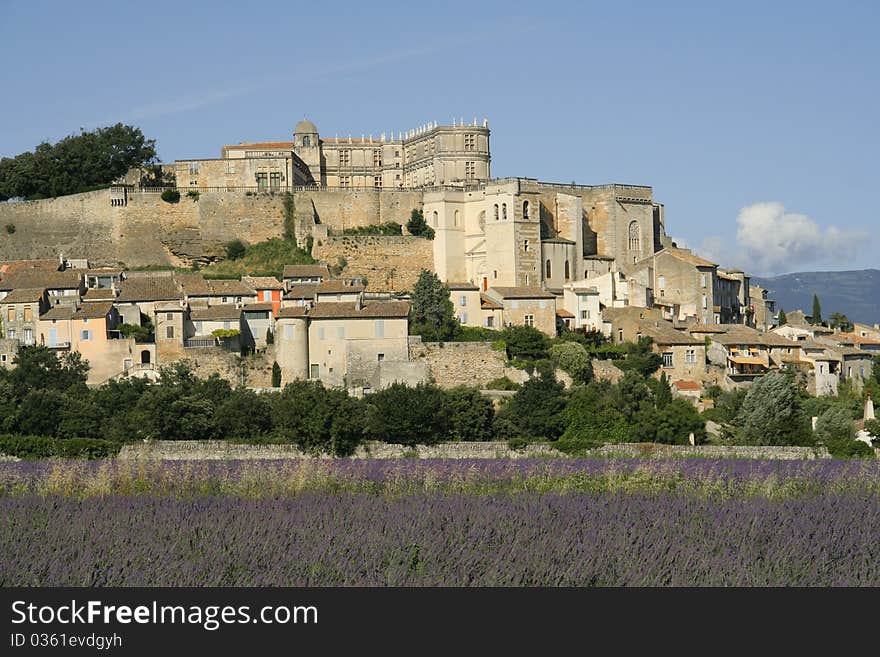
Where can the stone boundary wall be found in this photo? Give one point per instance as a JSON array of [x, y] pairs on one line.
[[388, 263], [651, 450], [186, 450], [220, 450]]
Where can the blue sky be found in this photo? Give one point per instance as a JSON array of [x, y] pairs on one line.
[[755, 122]]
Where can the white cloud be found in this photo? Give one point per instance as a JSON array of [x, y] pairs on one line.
[[771, 240]]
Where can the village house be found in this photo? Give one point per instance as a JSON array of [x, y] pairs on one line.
[[304, 274], [202, 292], [61, 286], [338, 291], [491, 313], [684, 280], [20, 310], [764, 312], [299, 295], [204, 321], [526, 306], [582, 302], [268, 290], [169, 327], [741, 352], [257, 322], [91, 331], [732, 301], [466, 306], [139, 295]]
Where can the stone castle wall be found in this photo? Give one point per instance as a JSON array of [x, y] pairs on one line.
[[388, 263], [147, 230], [257, 369]]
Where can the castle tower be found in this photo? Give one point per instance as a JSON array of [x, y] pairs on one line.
[[307, 146]]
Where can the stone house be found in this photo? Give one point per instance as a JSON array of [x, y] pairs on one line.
[[491, 313], [204, 321], [103, 278], [732, 300], [350, 342], [268, 289], [62, 287], [741, 352], [91, 331], [201, 292], [526, 306], [684, 280], [764, 312], [304, 275], [466, 306], [257, 321], [169, 326], [20, 311], [856, 341], [338, 291], [583, 303], [139, 295], [869, 331], [299, 295]]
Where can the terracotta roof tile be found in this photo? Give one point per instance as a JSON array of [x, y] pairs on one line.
[[523, 293], [263, 282], [226, 311], [24, 295], [292, 311], [149, 288], [373, 309]]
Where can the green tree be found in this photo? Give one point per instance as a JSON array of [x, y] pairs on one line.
[[235, 249], [534, 412], [525, 343], [591, 418], [276, 375], [677, 420], [244, 415], [783, 320], [841, 321], [469, 413], [835, 430], [77, 163], [317, 419], [817, 311], [641, 357], [409, 416], [431, 311], [417, 225], [39, 412], [574, 360], [38, 368], [772, 413]]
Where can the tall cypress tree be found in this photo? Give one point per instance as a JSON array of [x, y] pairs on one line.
[[817, 310], [783, 320]]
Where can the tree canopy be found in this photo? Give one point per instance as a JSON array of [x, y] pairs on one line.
[[431, 310], [77, 163]]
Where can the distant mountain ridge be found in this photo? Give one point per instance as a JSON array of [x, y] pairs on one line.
[[854, 293]]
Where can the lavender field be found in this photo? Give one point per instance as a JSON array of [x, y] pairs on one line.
[[553, 522]]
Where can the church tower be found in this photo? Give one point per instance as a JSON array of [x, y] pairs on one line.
[[307, 146]]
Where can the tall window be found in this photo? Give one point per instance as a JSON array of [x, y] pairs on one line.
[[702, 280], [635, 236], [470, 142], [344, 157], [567, 270], [667, 359], [377, 181], [470, 170], [504, 212], [377, 157], [193, 168], [690, 356], [496, 212], [27, 314], [275, 180], [525, 245], [455, 218], [529, 320], [10, 314], [262, 181], [525, 210], [306, 141], [169, 332], [434, 219], [547, 268], [230, 166]]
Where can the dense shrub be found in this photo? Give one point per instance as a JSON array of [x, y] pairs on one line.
[[171, 196], [39, 447], [235, 249], [388, 229], [525, 343], [407, 416], [534, 412], [502, 383], [574, 360], [772, 413]]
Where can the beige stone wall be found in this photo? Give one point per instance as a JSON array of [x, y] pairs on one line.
[[388, 263], [453, 364], [257, 369]]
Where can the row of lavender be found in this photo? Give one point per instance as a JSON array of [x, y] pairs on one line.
[[456, 540], [396, 477]]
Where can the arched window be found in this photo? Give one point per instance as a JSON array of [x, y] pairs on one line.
[[504, 212], [635, 236], [496, 212], [547, 269], [567, 270], [455, 218], [307, 141], [525, 210], [434, 219]]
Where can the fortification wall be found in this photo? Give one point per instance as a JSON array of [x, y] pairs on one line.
[[257, 369], [148, 230], [388, 263]]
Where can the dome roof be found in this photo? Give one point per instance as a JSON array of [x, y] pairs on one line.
[[305, 126]]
